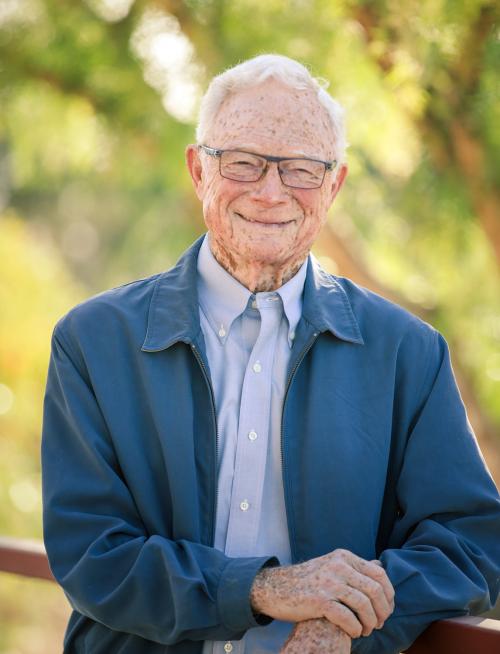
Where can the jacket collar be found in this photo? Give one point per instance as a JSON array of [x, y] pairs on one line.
[[174, 311], [326, 305]]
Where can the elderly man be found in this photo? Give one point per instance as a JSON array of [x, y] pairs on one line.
[[245, 453]]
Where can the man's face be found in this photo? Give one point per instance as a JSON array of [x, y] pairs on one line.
[[266, 222]]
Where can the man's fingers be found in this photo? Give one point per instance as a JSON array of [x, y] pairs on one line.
[[377, 573], [343, 617], [374, 593], [361, 605]]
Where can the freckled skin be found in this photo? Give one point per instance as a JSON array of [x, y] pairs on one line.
[[261, 232], [317, 637], [351, 593]]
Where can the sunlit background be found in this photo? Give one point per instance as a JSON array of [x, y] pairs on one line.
[[98, 100]]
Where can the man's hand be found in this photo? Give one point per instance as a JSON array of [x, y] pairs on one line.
[[348, 591], [317, 637]]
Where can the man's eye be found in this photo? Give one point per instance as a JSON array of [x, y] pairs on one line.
[[303, 172], [300, 167], [243, 165], [243, 162]]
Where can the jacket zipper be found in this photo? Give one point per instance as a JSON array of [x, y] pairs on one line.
[[214, 418], [305, 350], [197, 355]]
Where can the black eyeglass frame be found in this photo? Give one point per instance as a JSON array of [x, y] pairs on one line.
[[217, 153]]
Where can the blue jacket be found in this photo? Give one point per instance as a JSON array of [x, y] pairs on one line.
[[378, 458]]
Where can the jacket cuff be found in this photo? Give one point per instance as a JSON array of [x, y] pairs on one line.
[[233, 595]]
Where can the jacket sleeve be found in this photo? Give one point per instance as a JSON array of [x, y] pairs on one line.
[[110, 568], [443, 557]]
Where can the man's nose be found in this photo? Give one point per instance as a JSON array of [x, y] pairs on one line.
[[270, 188]]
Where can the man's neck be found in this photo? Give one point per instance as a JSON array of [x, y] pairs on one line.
[[255, 276]]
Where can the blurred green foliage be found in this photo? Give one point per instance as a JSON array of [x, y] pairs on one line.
[[98, 101]]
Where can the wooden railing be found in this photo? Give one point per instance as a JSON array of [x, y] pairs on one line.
[[453, 636], [459, 636], [24, 557]]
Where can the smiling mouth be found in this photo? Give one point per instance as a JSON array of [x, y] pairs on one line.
[[264, 223]]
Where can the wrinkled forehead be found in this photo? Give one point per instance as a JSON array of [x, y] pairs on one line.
[[272, 118]]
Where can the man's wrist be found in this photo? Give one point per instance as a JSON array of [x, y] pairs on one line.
[[263, 594], [259, 591]]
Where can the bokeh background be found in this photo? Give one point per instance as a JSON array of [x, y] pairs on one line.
[[98, 100]]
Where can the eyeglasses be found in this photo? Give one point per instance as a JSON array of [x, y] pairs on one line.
[[297, 172]]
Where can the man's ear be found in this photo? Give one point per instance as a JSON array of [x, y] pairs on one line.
[[339, 180], [193, 162]]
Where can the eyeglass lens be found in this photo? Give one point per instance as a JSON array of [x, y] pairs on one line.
[[247, 167]]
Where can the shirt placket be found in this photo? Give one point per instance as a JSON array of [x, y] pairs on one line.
[[253, 434]]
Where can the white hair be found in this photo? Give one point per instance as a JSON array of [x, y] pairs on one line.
[[254, 71]]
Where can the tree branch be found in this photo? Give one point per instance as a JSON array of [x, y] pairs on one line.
[[452, 139]]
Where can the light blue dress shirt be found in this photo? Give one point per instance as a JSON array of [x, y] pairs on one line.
[[248, 339]]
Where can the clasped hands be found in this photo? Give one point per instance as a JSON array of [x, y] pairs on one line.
[[332, 598]]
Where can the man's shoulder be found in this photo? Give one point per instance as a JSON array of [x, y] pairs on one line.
[[130, 303], [380, 318], [127, 304]]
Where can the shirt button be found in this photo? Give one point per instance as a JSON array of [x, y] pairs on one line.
[[257, 367], [228, 647], [252, 435], [244, 506], [254, 304], [222, 332]]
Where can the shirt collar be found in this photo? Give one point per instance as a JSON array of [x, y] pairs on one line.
[[329, 304], [222, 298]]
